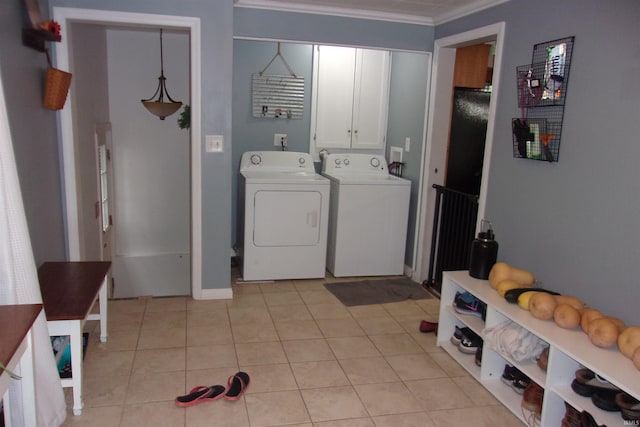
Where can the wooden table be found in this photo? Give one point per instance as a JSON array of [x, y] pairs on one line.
[[16, 347], [69, 291]]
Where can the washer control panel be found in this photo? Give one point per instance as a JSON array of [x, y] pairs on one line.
[[355, 163]]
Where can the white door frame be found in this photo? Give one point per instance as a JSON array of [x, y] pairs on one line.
[[65, 16], [438, 126], [106, 237]]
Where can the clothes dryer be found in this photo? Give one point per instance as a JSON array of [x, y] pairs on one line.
[[368, 216], [284, 205]]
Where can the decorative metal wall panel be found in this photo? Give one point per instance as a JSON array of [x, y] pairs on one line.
[[277, 96]]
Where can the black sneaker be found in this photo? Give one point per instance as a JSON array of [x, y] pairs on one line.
[[520, 384], [515, 378], [470, 343], [459, 334], [509, 374], [474, 307], [466, 297]]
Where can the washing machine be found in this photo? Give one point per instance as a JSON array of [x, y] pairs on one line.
[[284, 205], [368, 216]]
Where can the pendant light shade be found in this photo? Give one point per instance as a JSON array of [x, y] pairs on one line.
[[159, 107]]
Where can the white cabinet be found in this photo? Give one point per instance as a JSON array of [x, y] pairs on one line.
[[569, 350], [350, 95]]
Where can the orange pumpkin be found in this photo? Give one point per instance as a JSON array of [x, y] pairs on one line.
[[572, 301], [619, 323], [587, 315], [566, 316], [501, 271], [542, 305], [603, 332], [636, 358], [629, 341]]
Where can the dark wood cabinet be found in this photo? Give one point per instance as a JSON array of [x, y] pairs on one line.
[[471, 69]]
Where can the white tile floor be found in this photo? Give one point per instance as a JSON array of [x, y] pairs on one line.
[[312, 362]]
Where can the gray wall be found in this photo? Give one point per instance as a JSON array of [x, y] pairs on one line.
[[407, 104], [34, 135], [217, 45], [575, 224], [319, 29], [90, 97], [409, 74], [251, 133]]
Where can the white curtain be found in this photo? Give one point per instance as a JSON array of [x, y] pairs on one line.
[[19, 285]]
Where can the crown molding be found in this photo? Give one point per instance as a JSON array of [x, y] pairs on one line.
[[332, 11], [281, 6], [467, 10]]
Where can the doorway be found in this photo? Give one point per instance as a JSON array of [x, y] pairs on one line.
[[467, 140], [439, 126], [66, 17]]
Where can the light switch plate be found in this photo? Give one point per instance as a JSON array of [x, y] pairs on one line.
[[214, 143]]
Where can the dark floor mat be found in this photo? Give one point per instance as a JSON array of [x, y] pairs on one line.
[[381, 291]]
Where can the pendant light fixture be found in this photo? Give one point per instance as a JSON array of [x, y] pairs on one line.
[[159, 107]]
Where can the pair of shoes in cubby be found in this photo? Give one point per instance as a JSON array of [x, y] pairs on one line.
[[467, 341], [575, 418], [602, 393], [515, 378], [467, 303], [532, 400]]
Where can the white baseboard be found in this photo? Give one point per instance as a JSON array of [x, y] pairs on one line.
[[408, 271], [225, 293]]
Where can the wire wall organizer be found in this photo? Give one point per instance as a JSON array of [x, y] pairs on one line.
[[542, 90]]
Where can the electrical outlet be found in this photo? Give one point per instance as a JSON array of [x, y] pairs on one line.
[[407, 144], [280, 139]]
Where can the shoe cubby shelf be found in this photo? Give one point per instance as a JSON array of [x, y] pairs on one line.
[[569, 350]]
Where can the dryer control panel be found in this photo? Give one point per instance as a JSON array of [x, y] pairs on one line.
[[355, 163], [276, 161]]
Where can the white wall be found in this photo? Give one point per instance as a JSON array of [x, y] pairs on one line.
[[150, 165]]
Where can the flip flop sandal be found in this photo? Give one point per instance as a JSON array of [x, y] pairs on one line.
[[200, 394], [426, 326], [236, 386]]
